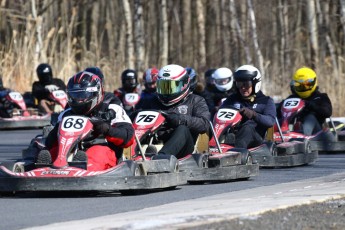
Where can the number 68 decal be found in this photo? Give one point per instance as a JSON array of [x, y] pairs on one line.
[[73, 123], [146, 117], [226, 114]]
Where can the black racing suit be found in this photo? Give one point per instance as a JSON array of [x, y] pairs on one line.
[[318, 107], [251, 132], [120, 134], [185, 121], [40, 92]]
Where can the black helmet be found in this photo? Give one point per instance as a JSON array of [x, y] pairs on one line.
[[193, 78], [85, 92], [208, 77], [44, 73], [97, 71], [129, 79]]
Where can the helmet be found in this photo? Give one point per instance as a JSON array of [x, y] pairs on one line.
[[44, 73], [172, 84], [208, 77], [149, 78], [304, 82], [249, 73], [97, 71], [85, 92], [129, 79], [223, 79], [193, 78]]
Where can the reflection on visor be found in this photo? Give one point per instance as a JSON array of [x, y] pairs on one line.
[[79, 95], [169, 87], [302, 86], [223, 81], [245, 84]]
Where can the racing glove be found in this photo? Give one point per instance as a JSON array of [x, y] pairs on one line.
[[248, 113], [51, 88], [175, 119], [109, 115], [100, 127]]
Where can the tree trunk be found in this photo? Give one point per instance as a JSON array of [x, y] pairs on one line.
[[313, 32], [164, 35], [259, 56], [139, 37], [201, 38], [129, 35]]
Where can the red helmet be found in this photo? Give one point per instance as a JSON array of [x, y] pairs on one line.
[[149, 78], [85, 92], [172, 84]]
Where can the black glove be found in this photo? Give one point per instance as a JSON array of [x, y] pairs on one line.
[[175, 119], [109, 115], [248, 113], [99, 126], [6, 103]]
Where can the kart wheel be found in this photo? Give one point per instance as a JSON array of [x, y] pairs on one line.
[[201, 160], [245, 155], [308, 148], [246, 159]]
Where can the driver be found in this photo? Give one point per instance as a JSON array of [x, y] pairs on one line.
[[6, 107], [257, 110], [318, 106], [187, 113], [86, 97], [46, 84]]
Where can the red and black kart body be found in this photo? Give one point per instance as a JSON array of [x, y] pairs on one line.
[[329, 139], [22, 116], [200, 167], [67, 174], [269, 154]]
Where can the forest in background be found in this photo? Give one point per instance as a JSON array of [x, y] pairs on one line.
[[277, 36]]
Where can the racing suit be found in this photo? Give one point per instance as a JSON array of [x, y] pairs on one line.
[[318, 107], [42, 91], [117, 130], [185, 121], [251, 131]]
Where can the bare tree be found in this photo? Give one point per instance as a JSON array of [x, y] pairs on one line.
[[129, 34], [313, 33], [164, 34]]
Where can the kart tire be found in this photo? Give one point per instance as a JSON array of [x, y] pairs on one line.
[[201, 159], [272, 148], [246, 158], [135, 168]]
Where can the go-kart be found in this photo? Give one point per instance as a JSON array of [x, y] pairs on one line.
[[130, 100], [200, 166], [69, 172], [330, 139], [269, 154], [23, 116]]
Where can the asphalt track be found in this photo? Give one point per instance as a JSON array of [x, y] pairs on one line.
[[187, 206]]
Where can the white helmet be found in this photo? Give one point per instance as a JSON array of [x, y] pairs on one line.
[[223, 79], [249, 73]]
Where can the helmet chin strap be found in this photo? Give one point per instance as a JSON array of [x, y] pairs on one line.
[[251, 98]]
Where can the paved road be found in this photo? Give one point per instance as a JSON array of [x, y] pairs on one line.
[[33, 210]]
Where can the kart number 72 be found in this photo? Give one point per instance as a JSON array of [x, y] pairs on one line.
[[226, 114]]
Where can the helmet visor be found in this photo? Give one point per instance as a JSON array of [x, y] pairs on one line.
[[222, 81], [303, 85], [244, 84], [82, 95], [169, 87]]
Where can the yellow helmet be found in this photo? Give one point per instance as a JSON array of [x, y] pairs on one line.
[[304, 82]]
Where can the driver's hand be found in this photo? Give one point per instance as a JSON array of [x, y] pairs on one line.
[[51, 88]]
